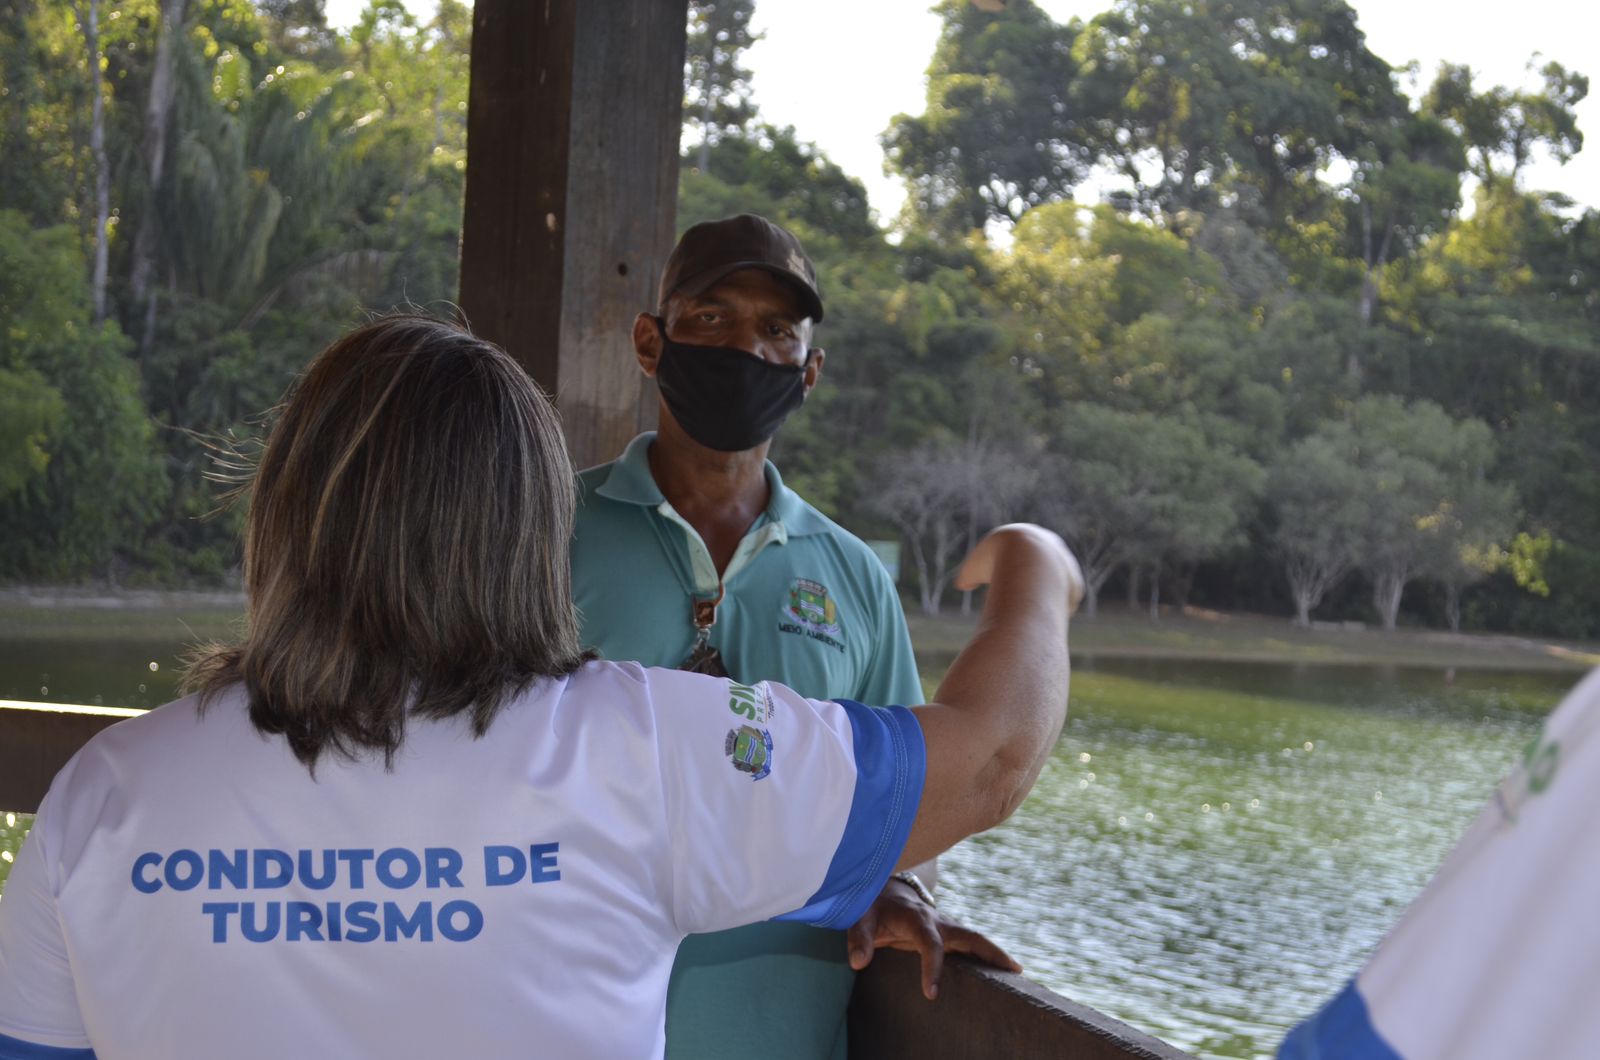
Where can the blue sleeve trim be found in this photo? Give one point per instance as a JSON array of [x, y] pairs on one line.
[[1342, 1030], [891, 764], [17, 1049]]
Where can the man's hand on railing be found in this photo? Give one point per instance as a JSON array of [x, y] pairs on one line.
[[902, 920]]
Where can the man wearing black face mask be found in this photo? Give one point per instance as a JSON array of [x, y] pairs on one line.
[[690, 551]]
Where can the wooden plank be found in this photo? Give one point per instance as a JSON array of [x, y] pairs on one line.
[[622, 204], [519, 110], [36, 739], [982, 1013], [572, 174]]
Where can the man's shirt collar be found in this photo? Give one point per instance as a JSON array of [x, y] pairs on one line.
[[630, 482]]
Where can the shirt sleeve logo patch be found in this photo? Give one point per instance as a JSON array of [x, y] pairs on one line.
[[751, 750], [809, 611], [750, 702]]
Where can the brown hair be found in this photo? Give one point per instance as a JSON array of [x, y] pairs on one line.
[[406, 544]]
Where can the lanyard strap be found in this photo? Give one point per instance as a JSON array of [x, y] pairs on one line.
[[704, 615]]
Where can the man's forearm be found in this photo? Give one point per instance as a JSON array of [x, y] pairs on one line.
[[1010, 682], [999, 711]]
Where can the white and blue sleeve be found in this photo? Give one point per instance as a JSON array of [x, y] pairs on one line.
[[39, 1017], [778, 805], [1342, 1030], [1496, 957], [891, 765]]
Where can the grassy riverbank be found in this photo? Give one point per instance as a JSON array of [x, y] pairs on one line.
[[150, 617], [183, 618], [1117, 632]]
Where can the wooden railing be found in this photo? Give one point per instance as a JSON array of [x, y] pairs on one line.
[[36, 739], [982, 1014]]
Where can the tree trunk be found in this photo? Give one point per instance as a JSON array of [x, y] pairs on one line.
[[1182, 585], [1387, 588], [1369, 287], [1369, 296], [1303, 603], [1095, 579], [920, 559], [1374, 260], [972, 542], [940, 580], [705, 130], [1308, 583], [1133, 587], [157, 117], [1452, 606], [89, 22], [933, 590], [930, 606], [1155, 594]]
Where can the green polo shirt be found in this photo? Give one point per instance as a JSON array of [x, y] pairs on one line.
[[805, 603]]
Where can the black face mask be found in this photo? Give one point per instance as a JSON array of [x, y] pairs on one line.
[[725, 398]]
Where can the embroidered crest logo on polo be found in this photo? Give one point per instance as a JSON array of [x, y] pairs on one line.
[[725, 398], [809, 611], [810, 605]]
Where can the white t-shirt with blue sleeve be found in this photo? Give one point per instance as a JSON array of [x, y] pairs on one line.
[[1499, 957], [189, 889]]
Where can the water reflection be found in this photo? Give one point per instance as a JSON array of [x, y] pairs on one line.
[[1243, 837], [114, 674]]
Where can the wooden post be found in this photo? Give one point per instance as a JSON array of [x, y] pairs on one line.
[[572, 184]]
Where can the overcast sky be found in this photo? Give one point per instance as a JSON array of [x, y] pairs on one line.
[[839, 70]]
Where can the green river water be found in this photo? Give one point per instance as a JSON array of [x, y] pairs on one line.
[[1212, 850]]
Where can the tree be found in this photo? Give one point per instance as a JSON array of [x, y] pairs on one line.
[[1193, 103], [298, 27], [1136, 487], [1469, 531], [170, 16], [91, 481], [999, 134], [1081, 500], [1421, 466], [769, 171], [1406, 494], [31, 411], [1318, 495], [934, 491], [1404, 187], [41, 139], [995, 469], [1501, 127], [717, 101]]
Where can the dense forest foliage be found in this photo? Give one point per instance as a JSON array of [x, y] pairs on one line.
[[1314, 348]]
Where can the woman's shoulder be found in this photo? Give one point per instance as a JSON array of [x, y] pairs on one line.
[[167, 729], [646, 687]]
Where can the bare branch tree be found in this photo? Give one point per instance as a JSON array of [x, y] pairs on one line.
[[936, 492]]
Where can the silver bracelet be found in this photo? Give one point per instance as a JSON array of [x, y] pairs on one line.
[[910, 879]]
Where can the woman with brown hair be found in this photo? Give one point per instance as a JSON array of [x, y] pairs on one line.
[[407, 815]]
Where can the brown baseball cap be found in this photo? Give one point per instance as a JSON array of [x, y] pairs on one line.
[[713, 249]]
